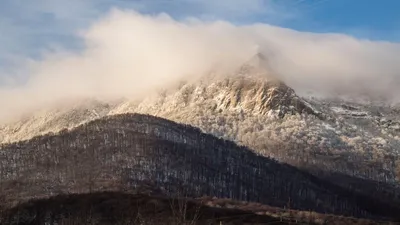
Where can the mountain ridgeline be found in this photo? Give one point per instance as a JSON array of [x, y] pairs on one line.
[[128, 151]]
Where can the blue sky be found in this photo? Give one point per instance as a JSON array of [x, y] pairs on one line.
[[370, 19], [30, 27]]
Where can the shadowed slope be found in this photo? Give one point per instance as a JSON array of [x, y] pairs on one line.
[[126, 151]]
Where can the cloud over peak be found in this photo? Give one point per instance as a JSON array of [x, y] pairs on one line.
[[130, 54]]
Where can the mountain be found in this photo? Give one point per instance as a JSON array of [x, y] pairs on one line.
[[351, 143], [124, 152], [254, 108]]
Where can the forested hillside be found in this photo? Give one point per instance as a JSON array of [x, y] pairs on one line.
[[130, 150]]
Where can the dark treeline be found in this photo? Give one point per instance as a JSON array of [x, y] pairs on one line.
[[106, 208], [124, 152]]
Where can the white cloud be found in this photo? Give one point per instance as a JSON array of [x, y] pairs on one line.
[[30, 27], [130, 54]]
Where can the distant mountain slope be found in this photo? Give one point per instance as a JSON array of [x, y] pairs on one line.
[[53, 119], [126, 151]]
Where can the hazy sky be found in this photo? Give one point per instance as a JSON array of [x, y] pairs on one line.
[[29, 27]]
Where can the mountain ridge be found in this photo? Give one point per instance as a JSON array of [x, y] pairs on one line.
[[330, 138], [250, 108]]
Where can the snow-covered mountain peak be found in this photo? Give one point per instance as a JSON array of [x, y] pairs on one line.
[[254, 108], [251, 89], [256, 95]]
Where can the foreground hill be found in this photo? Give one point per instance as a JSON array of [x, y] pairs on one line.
[[106, 208], [127, 151]]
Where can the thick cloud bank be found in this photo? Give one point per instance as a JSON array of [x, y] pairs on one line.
[[127, 54]]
